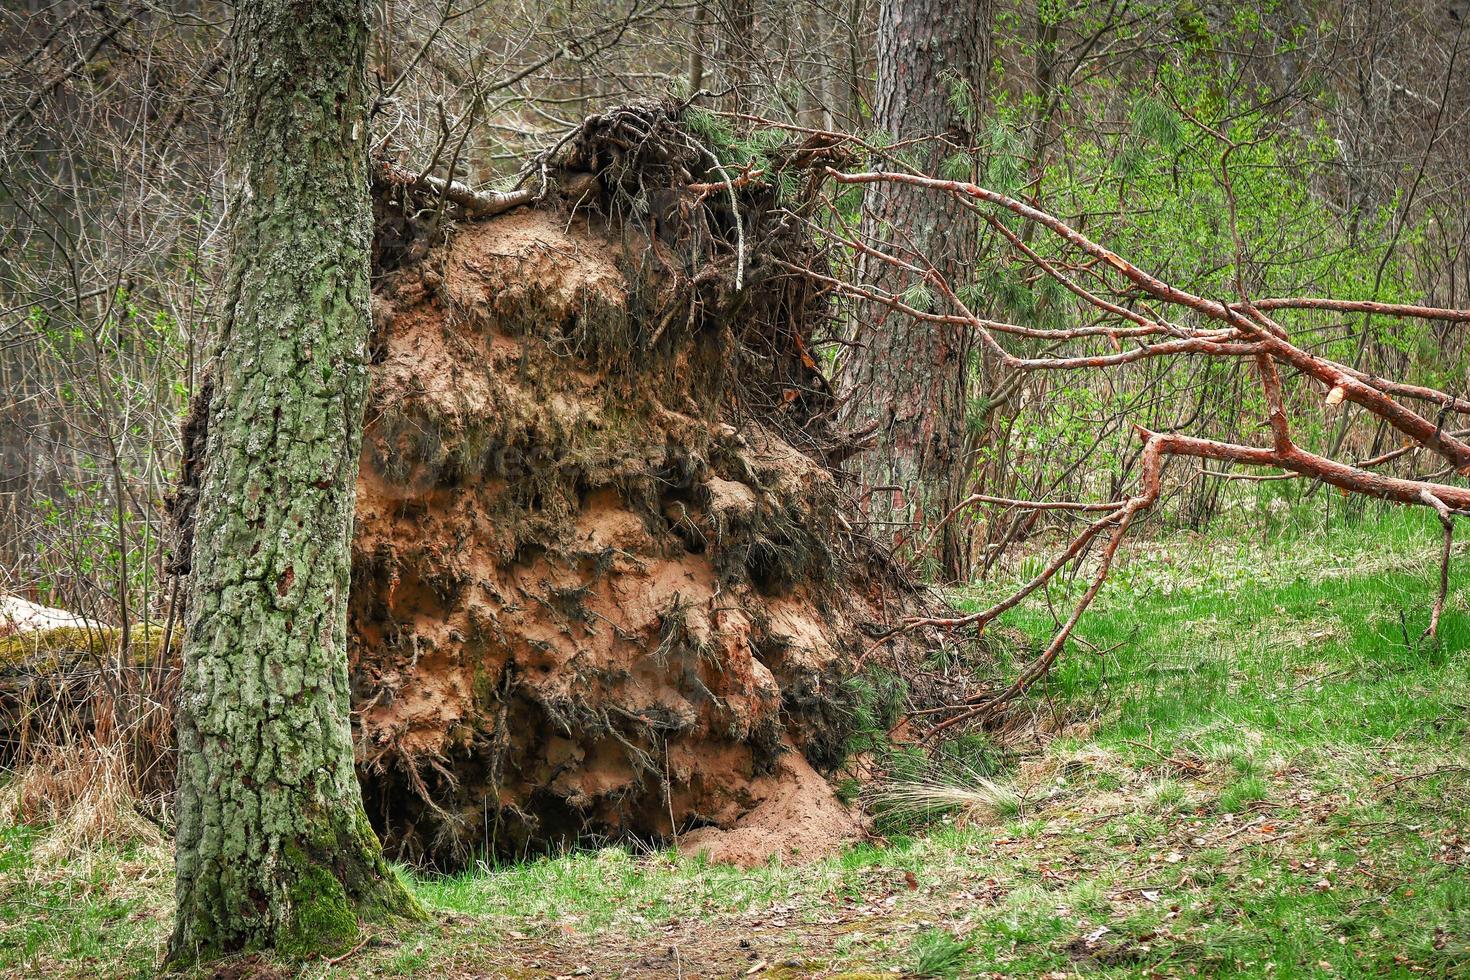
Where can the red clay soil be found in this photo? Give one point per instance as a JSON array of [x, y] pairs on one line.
[[797, 818], [591, 597]]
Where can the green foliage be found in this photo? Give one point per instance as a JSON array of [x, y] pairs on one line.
[[939, 953], [961, 96], [1139, 169], [957, 166], [1005, 169], [1157, 123], [734, 148], [920, 296], [879, 139], [714, 129], [877, 696]]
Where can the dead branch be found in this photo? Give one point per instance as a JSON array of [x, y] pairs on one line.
[[1252, 322], [476, 204], [1447, 520], [1204, 328]]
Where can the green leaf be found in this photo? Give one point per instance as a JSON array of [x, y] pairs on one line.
[[920, 297], [957, 166]]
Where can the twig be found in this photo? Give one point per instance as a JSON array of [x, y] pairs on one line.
[[477, 204], [334, 960], [1447, 519]]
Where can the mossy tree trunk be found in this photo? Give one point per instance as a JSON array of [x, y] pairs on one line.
[[911, 376], [273, 847]]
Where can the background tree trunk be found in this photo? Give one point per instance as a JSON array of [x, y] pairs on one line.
[[696, 47], [911, 376], [737, 53], [273, 846]]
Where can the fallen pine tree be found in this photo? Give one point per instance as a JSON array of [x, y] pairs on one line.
[[1126, 315], [603, 580], [606, 579]]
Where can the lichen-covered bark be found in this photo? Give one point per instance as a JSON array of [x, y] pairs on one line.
[[911, 376], [273, 848]]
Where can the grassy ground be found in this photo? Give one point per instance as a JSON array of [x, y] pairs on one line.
[[1254, 769]]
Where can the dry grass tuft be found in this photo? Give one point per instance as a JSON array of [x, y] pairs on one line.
[[969, 796], [86, 794], [86, 738]]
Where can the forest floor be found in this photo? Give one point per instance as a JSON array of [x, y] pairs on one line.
[[1260, 771]]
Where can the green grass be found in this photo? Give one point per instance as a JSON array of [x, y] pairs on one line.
[[1254, 768], [88, 914], [1244, 653], [939, 953]]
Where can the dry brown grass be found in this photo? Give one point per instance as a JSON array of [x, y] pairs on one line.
[[967, 795], [91, 761], [86, 793]]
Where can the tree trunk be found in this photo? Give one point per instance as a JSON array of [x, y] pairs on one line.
[[696, 47], [737, 54], [911, 376], [273, 846]]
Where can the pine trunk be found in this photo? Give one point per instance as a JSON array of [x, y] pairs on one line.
[[911, 376], [273, 846]]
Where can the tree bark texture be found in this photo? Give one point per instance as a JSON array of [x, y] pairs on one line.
[[911, 376], [273, 846]]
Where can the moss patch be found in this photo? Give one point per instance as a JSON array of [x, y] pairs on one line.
[[60, 645], [321, 918]]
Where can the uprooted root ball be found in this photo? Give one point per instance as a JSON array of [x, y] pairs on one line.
[[595, 589]]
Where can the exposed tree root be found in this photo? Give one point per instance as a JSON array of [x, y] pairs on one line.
[[603, 579]]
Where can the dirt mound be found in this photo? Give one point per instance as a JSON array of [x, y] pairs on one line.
[[593, 591], [793, 816], [576, 608]]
